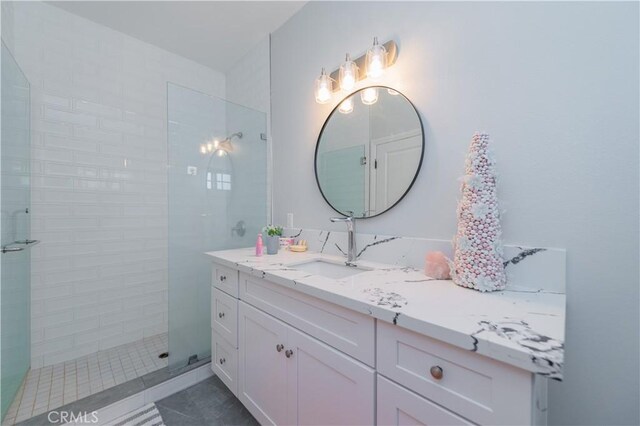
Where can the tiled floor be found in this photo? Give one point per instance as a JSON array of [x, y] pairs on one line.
[[55, 385], [209, 403]]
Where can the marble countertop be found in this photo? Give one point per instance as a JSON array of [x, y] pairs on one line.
[[521, 328]]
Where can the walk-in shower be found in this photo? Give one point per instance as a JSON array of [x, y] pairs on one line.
[[214, 198]]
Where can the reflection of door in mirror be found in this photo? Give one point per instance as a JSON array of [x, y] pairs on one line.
[[389, 173], [344, 178]]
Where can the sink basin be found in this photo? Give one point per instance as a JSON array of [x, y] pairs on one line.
[[328, 269]]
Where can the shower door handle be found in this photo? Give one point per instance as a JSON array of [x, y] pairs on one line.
[[7, 249], [27, 242], [16, 246]]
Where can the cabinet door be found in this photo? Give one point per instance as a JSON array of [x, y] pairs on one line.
[[262, 374], [324, 386], [398, 406]]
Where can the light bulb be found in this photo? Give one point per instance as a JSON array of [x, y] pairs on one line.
[[324, 87], [376, 60], [369, 96], [346, 106], [203, 149], [216, 143], [221, 153], [348, 74], [209, 146]]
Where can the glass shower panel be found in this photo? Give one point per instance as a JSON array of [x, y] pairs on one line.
[[15, 201], [217, 200]]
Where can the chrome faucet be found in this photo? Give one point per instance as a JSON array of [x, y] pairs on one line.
[[350, 221]]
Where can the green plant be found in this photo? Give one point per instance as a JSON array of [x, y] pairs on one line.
[[273, 231]]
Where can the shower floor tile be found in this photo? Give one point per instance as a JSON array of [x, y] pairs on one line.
[[52, 386]]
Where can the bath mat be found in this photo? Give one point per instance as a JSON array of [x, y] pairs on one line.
[[145, 416]]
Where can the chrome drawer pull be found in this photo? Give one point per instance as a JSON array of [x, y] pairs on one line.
[[288, 353], [279, 347], [223, 278], [221, 315], [222, 361]]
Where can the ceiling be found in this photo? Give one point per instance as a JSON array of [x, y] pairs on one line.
[[214, 33]]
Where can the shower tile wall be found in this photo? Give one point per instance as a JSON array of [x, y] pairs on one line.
[[248, 84], [99, 278]]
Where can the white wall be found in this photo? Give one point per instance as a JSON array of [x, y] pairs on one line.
[[99, 195], [556, 85]]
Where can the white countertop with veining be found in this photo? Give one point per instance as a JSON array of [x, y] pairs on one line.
[[521, 328]]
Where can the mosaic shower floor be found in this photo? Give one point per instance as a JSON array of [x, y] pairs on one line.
[[55, 385]]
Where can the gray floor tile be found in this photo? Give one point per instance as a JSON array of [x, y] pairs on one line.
[[174, 418], [208, 402]]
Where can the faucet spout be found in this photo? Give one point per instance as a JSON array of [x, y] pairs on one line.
[[350, 221]]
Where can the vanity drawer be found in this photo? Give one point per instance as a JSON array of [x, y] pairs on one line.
[[399, 406], [476, 387], [350, 332], [224, 316], [226, 279], [224, 362]]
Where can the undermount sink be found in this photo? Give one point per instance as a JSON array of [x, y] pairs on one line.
[[328, 269]]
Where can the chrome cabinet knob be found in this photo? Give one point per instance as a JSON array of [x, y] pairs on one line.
[[288, 353], [279, 347], [223, 278], [222, 361], [221, 315], [436, 372]]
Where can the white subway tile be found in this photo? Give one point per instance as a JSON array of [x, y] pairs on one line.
[[98, 109], [59, 116], [122, 126], [99, 161]]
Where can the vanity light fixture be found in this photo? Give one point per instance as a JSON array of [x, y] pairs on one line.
[[369, 96], [348, 74], [346, 107], [376, 60], [324, 87], [369, 65]]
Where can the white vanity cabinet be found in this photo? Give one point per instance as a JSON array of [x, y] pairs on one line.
[[292, 358], [287, 377]]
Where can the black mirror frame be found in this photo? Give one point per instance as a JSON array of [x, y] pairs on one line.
[[315, 156]]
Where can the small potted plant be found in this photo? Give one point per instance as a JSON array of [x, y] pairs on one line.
[[272, 238]]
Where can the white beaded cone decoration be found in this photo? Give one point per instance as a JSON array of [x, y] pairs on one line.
[[478, 261]]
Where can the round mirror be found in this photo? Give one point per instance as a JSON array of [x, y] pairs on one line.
[[369, 152]]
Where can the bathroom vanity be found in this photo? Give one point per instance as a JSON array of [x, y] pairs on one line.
[[301, 338]]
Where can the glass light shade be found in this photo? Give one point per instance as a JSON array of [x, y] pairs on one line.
[[348, 74], [346, 107], [324, 87], [376, 60], [369, 96]]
